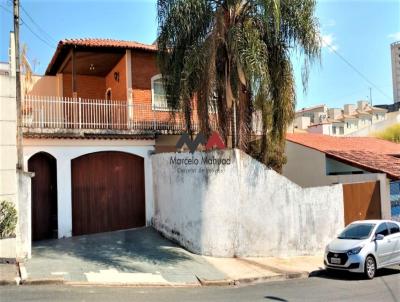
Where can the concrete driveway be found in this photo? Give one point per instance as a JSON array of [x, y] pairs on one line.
[[136, 256]]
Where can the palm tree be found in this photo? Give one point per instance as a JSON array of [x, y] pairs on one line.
[[234, 55]]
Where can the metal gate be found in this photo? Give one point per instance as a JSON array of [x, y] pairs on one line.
[[361, 201]]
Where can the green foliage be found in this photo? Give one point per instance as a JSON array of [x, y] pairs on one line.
[[391, 133], [235, 54], [8, 219]]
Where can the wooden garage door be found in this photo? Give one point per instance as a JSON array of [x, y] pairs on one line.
[[361, 201], [107, 192]]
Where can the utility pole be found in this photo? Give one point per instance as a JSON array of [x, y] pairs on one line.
[[20, 163], [370, 95]]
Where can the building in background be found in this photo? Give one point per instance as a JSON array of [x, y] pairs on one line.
[[336, 121], [395, 50]]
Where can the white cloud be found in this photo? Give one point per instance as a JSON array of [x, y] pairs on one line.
[[395, 36], [328, 41]]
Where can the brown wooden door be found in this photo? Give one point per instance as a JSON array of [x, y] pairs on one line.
[[44, 196], [107, 192], [361, 201]]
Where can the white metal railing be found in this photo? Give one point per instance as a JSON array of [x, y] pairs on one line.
[[53, 112]]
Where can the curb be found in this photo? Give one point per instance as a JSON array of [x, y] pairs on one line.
[[12, 281], [253, 280], [16, 281], [159, 285], [22, 271], [43, 282], [202, 282], [222, 282]]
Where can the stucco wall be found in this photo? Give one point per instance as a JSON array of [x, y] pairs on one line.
[[44, 86], [8, 154], [305, 166], [24, 231], [243, 210], [14, 187], [8, 130], [64, 150]]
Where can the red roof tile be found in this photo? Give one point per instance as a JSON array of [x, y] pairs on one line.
[[369, 153], [64, 45], [325, 142], [93, 42]]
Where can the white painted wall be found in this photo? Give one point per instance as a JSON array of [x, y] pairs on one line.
[[8, 144], [64, 150], [8, 155], [392, 118], [305, 166], [320, 129], [246, 210]]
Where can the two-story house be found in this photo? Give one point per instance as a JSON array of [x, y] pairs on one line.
[[90, 126]]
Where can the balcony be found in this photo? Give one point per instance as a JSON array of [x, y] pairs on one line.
[[78, 116]]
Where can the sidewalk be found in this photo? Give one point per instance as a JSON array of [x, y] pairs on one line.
[[9, 274], [249, 270]]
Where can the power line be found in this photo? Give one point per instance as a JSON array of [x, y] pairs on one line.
[[349, 64], [36, 35], [28, 27], [49, 37], [6, 8], [356, 70]]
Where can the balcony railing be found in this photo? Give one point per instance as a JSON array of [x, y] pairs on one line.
[[43, 112], [53, 114]]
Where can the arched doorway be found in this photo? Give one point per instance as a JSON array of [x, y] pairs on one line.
[[108, 192], [44, 196]]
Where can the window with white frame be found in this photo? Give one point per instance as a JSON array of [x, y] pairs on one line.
[[158, 96]]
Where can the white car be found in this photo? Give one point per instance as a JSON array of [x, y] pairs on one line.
[[365, 246]]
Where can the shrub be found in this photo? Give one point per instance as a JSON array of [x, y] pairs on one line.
[[8, 219], [391, 133]]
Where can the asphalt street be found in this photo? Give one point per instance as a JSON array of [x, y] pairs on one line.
[[342, 287]]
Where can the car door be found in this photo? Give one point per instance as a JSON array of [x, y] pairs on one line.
[[394, 239], [383, 247]]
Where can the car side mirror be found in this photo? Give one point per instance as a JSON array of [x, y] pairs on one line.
[[379, 237]]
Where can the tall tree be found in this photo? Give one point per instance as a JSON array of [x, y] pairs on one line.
[[234, 55]]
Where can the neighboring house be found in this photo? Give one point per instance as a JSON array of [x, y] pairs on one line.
[[338, 122], [14, 185], [316, 160], [392, 118]]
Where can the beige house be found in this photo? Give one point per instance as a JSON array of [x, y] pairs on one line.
[[338, 122]]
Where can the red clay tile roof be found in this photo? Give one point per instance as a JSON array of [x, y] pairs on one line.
[[368, 153], [325, 142], [89, 42], [64, 46]]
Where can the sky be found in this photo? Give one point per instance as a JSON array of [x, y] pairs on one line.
[[355, 51]]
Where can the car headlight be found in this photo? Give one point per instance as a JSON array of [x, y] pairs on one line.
[[354, 251]]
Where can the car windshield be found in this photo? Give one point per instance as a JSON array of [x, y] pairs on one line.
[[357, 231]]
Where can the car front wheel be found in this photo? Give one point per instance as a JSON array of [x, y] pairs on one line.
[[370, 267]]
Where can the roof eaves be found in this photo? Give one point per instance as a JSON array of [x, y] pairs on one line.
[[357, 164]]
